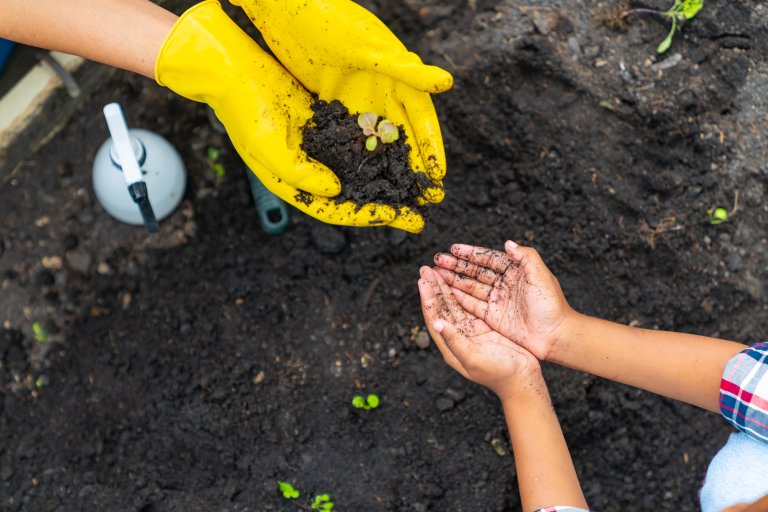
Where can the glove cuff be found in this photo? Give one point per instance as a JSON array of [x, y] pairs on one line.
[[201, 53]]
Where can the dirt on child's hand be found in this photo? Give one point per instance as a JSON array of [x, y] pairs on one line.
[[470, 346], [513, 292]]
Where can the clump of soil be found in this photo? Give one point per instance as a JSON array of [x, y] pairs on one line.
[[383, 175]]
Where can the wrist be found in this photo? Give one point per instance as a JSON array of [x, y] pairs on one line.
[[524, 387], [571, 329]]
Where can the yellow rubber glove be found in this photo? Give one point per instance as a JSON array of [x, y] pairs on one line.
[[339, 50], [208, 58]]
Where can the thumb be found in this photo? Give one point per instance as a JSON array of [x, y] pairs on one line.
[[408, 69]]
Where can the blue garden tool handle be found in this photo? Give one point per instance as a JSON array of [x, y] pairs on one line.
[[273, 212], [5, 50]]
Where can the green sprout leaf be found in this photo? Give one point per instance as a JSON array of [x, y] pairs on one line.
[[39, 332], [717, 216], [322, 502], [289, 492], [667, 42], [691, 8], [219, 170], [213, 153], [371, 143], [372, 401], [607, 105], [358, 402], [388, 132], [367, 121]]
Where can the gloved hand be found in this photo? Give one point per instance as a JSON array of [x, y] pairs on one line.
[[339, 50], [208, 58]]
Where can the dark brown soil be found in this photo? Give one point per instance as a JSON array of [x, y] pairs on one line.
[[192, 369], [383, 175]]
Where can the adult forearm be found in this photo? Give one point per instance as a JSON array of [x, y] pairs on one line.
[[545, 471], [682, 366], [124, 33]]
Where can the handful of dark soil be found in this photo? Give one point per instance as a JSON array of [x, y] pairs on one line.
[[333, 138]]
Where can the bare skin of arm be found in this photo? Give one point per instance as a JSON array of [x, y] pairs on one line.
[[517, 295], [545, 471], [126, 34]]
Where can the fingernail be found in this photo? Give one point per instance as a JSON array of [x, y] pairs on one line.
[[438, 325], [511, 244], [437, 256]]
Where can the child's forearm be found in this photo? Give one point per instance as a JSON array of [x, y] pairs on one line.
[[682, 366], [545, 471], [124, 33]]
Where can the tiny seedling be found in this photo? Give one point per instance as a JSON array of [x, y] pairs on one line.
[[386, 131], [367, 403], [680, 12], [213, 154], [322, 502], [39, 332], [717, 215], [289, 492]]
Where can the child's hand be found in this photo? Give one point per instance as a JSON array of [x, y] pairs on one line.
[[471, 347], [513, 292]]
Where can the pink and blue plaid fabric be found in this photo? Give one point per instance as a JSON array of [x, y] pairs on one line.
[[744, 392]]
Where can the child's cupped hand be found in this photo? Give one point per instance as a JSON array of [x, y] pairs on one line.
[[470, 346], [513, 292]]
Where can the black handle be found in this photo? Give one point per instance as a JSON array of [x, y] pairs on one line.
[[139, 194]]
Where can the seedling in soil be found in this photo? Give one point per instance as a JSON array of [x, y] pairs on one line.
[[217, 167], [39, 332], [289, 492], [367, 403], [322, 502], [680, 12], [386, 131], [717, 215]]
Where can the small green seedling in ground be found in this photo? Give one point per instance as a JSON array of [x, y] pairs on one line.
[[213, 155], [717, 215], [680, 12], [322, 502], [370, 402], [289, 492], [386, 131], [39, 332]]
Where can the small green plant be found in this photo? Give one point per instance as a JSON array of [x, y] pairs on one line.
[[39, 332], [386, 131], [289, 492], [680, 12], [213, 154], [322, 502], [370, 402], [717, 215]]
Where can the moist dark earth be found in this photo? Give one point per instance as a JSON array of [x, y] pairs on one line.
[[383, 175], [193, 369]]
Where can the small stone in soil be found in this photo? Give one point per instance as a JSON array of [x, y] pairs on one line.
[[422, 340], [444, 404]]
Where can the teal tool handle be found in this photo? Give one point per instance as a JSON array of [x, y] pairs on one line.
[[273, 212]]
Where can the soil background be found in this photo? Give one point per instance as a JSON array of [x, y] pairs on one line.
[[192, 369]]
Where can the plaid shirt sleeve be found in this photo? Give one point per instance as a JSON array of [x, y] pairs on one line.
[[744, 392]]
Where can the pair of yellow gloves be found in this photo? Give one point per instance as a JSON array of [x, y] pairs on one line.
[[333, 48]]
